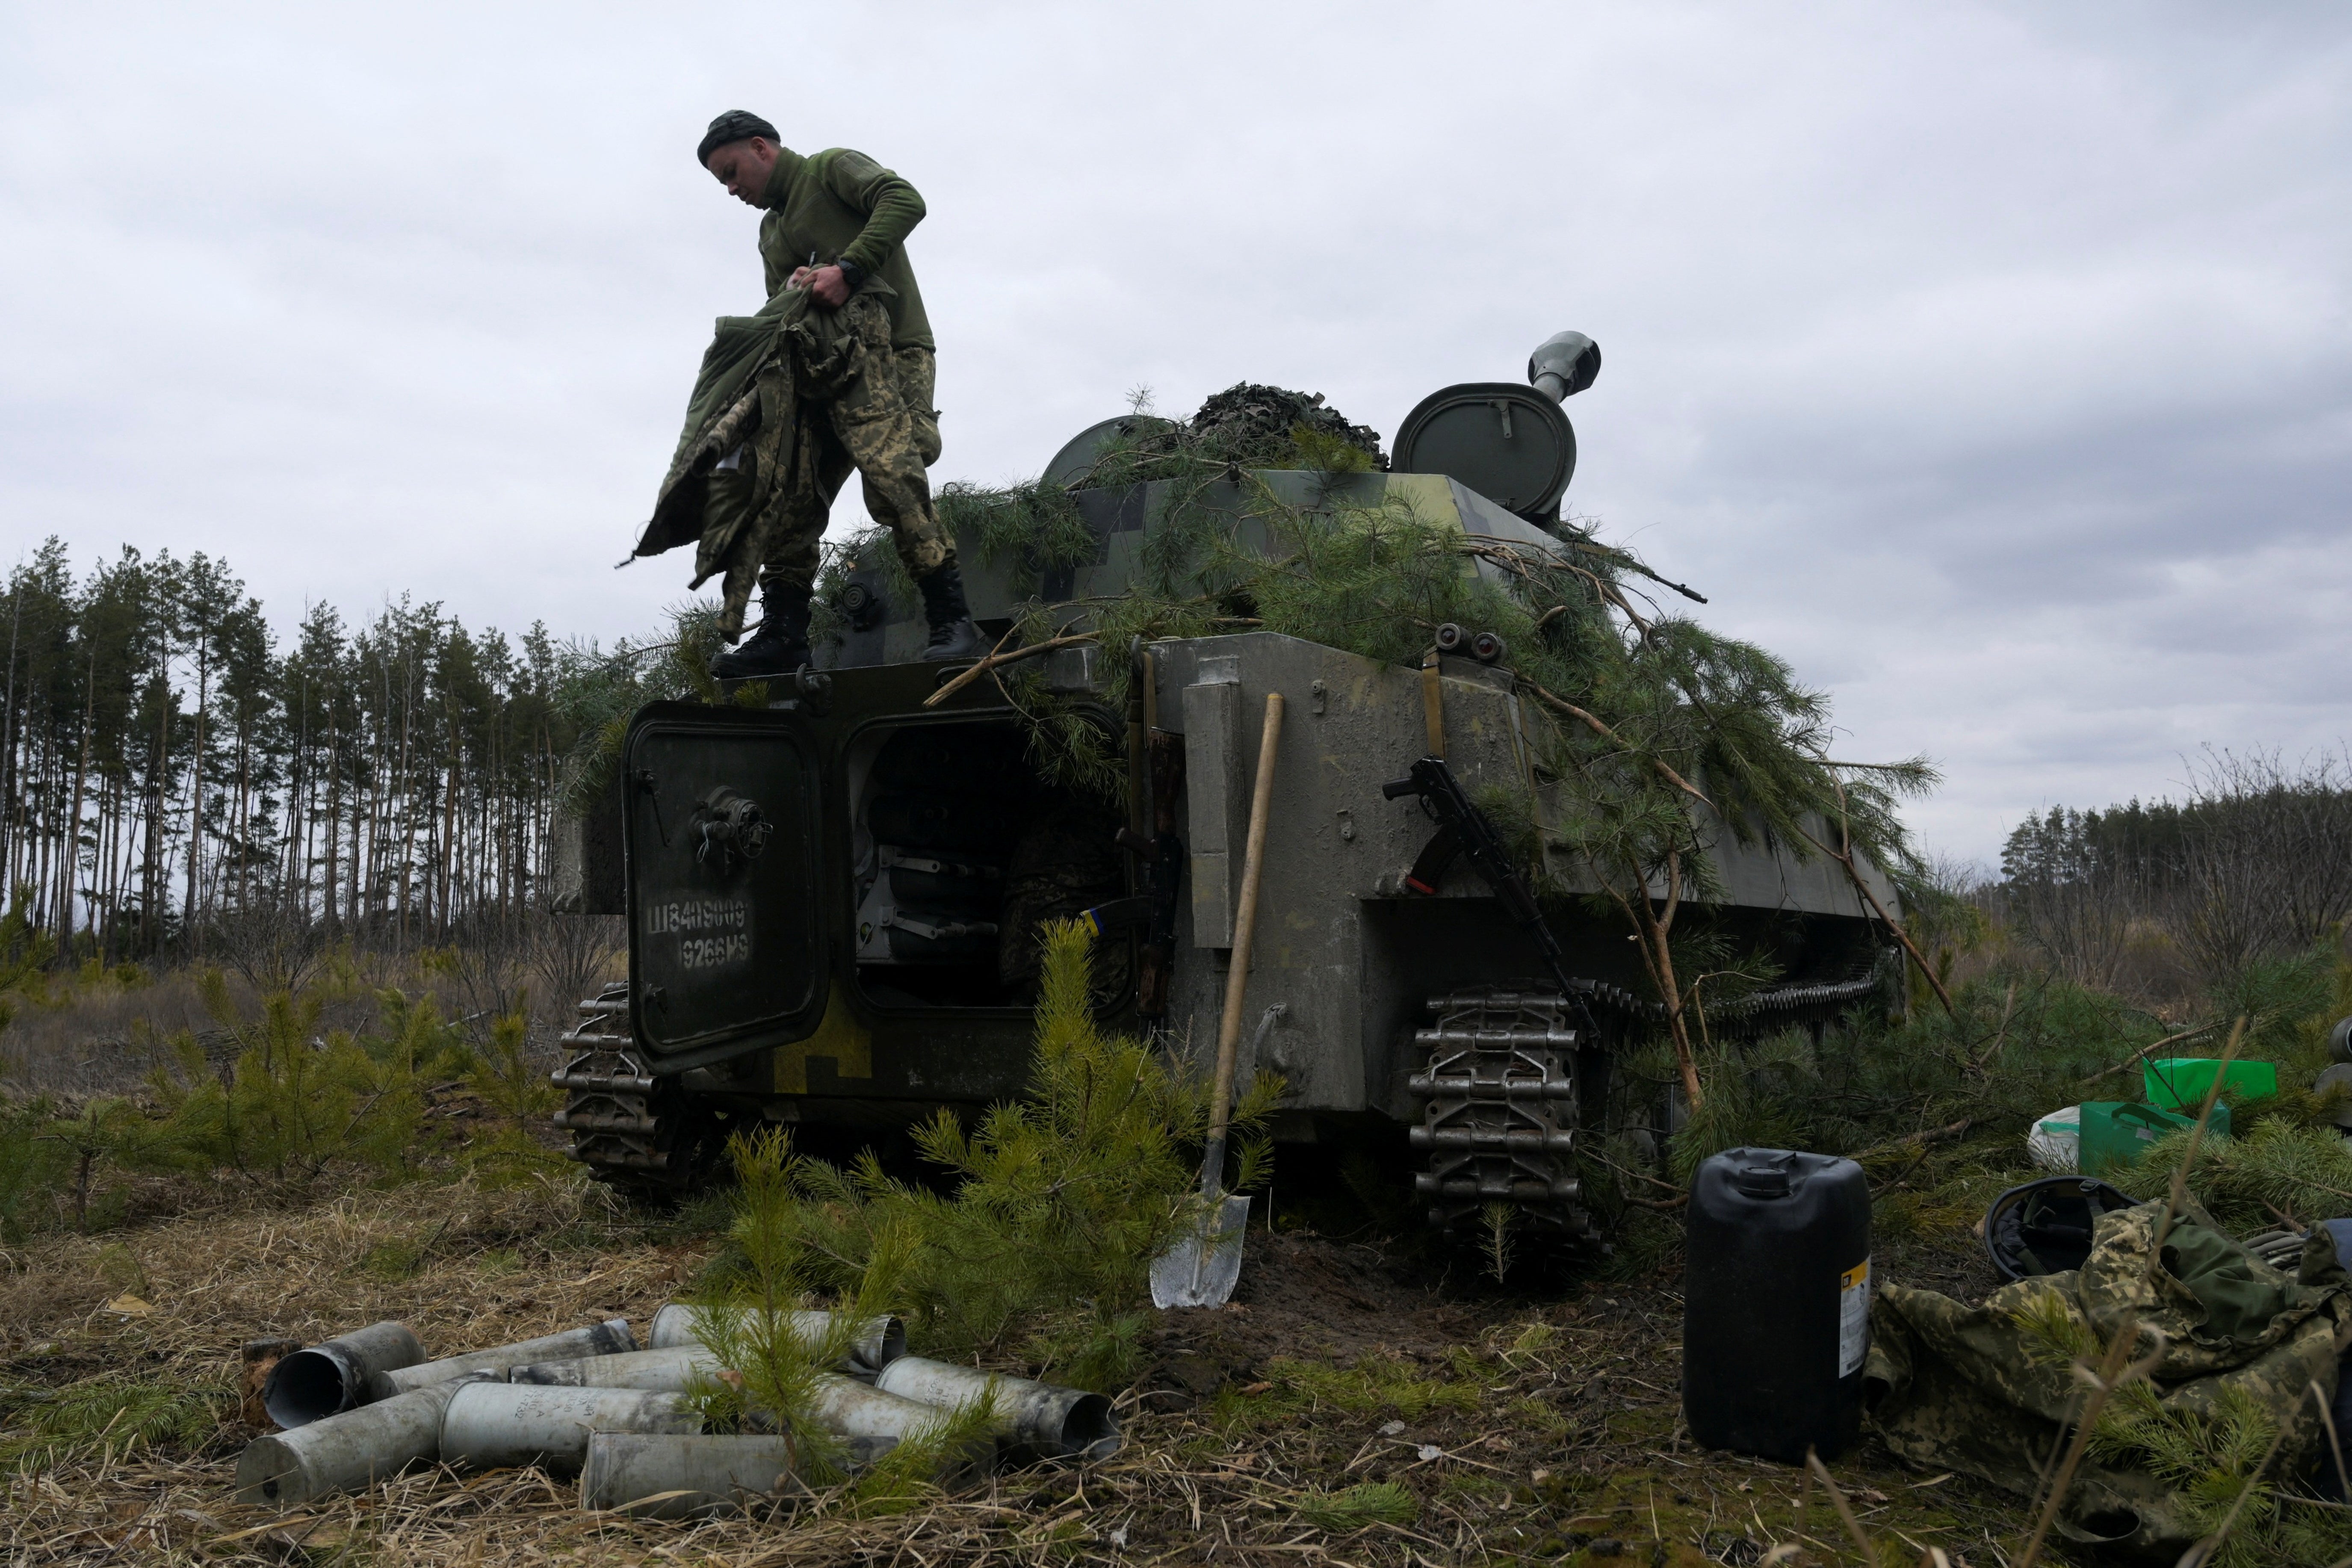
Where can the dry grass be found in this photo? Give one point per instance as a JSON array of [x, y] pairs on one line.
[[97, 1032], [462, 1265], [1512, 1431], [98, 1038]]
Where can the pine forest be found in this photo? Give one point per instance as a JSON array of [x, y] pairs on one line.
[[172, 767]]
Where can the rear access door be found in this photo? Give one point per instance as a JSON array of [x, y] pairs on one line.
[[722, 812]]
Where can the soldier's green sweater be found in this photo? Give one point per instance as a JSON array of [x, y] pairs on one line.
[[843, 207]]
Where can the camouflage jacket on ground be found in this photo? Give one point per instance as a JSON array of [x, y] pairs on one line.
[[1992, 1390]]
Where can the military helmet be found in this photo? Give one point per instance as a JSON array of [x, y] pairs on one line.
[[2045, 1227]]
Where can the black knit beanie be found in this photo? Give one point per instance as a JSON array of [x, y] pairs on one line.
[[735, 125]]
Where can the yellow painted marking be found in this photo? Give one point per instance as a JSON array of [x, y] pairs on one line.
[[838, 1034]]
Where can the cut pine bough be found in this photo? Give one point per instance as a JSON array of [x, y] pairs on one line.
[[587, 1402]]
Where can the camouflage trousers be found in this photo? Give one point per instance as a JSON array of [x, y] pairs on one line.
[[878, 421]]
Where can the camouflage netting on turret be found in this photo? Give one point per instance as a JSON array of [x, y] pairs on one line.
[[1244, 426], [1260, 427]]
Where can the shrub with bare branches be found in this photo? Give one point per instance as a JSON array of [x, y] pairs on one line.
[[2255, 865]]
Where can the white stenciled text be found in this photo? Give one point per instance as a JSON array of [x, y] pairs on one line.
[[712, 951], [691, 915]]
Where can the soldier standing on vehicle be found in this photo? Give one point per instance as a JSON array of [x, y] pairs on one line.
[[834, 221]]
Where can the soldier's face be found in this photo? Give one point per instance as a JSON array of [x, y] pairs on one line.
[[743, 168]]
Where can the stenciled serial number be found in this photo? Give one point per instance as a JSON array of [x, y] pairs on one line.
[[698, 914], [712, 952]]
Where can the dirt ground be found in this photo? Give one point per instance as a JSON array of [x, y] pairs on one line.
[[1348, 1407]]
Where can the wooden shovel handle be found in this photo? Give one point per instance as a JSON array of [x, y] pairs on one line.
[[1229, 1028]]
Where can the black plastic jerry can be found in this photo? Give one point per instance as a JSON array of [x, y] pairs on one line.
[[1775, 1303]]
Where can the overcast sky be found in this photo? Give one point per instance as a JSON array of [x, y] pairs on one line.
[[1989, 363]]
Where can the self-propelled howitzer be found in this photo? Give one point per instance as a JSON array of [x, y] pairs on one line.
[[833, 900]]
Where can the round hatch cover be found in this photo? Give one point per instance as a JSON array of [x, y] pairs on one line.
[[1079, 455], [1509, 443]]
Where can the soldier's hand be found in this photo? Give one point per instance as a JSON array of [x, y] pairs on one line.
[[831, 289]]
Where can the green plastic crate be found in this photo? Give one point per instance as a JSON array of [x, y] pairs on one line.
[[2115, 1133], [2182, 1083]]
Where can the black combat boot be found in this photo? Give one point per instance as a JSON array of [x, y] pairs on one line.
[[780, 647], [953, 634]]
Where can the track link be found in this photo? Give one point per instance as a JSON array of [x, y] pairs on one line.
[[629, 1127], [1499, 1109]]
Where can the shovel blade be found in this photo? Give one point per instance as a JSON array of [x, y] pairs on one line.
[[1200, 1269]]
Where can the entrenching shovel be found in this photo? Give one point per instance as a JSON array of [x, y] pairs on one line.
[[1199, 1269]]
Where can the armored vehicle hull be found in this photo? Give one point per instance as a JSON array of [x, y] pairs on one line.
[[831, 901], [848, 970]]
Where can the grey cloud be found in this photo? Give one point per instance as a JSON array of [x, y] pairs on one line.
[[1989, 363]]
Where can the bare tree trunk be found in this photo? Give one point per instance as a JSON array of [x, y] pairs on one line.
[[11, 800], [361, 796], [240, 826], [379, 807], [334, 818], [110, 822], [407, 796], [155, 887], [451, 855], [375, 888], [498, 845], [73, 812], [196, 797], [117, 873], [44, 837], [297, 781]]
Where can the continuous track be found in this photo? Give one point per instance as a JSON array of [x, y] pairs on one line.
[[634, 1130]]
